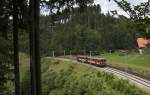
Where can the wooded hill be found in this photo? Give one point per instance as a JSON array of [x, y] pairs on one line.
[[90, 30]]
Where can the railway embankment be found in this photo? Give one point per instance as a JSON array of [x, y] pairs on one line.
[[88, 79], [64, 76], [133, 79]]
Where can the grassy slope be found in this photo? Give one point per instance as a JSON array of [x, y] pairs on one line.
[[63, 78], [24, 64], [134, 62], [78, 70]]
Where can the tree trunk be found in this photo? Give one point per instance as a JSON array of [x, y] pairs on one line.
[[16, 50], [35, 66]]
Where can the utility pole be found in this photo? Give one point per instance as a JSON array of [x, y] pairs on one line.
[[35, 66], [16, 49]]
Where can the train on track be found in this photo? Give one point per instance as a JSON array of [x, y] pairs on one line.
[[100, 62]]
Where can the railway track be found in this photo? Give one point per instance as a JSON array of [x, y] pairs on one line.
[[133, 79]]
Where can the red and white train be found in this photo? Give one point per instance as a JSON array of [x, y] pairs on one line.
[[101, 62]]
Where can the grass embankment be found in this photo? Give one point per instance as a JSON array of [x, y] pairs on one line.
[[66, 78], [133, 62], [24, 73]]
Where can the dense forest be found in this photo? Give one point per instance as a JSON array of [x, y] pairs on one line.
[[90, 30]]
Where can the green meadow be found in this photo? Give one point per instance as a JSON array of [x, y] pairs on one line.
[[134, 62]]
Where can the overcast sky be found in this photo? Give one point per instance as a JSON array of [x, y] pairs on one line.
[[108, 6]]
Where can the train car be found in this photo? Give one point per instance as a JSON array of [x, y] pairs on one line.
[[82, 59], [101, 62]]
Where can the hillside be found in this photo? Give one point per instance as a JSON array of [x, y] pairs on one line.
[[66, 78]]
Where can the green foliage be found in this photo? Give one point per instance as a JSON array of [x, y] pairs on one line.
[[90, 31], [24, 74], [5, 65], [6, 44], [25, 84], [5, 48], [68, 78], [69, 81], [23, 42], [139, 14], [77, 39], [45, 34], [85, 31]]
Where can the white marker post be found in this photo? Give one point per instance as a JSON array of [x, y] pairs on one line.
[[110, 51], [90, 53], [140, 50], [70, 52], [53, 53]]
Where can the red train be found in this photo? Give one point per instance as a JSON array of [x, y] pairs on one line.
[[101, 62]]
